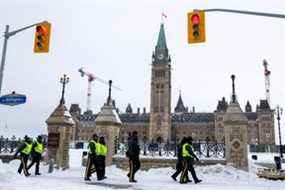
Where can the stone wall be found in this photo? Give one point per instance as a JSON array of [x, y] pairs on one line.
[[147, 163]]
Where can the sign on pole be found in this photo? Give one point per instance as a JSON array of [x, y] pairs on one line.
[[13, 99]]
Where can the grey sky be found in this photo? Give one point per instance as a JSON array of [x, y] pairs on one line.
[[115, 40]]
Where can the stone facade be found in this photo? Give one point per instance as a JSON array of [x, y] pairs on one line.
[[60, 131], [108, 125], [235, 129], [162, 124]]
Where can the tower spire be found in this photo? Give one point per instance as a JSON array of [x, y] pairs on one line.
[[161, 42]]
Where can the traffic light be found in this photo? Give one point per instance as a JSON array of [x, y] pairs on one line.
[[42, 37], [196, 27]]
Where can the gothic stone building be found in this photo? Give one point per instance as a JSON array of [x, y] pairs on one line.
[[160, 124]]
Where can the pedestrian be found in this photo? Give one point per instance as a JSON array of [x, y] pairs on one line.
[[133, 155], [2, 140], [24, 149], [179, 163], [188, 160], [37, 150], [101, 159], [91, 165]]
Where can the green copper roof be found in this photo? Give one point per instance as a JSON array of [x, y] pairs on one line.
[[161, 42]]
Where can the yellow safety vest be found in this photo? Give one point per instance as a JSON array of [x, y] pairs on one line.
[[97, 146], [103, 150], [27, 150], [39, 147], [185, 152]]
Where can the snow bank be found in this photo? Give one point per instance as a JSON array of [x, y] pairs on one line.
[[218, 177]]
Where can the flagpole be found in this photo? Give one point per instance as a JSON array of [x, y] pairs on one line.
[[163, 16]]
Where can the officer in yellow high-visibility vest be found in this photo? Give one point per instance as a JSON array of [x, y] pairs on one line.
[[179, 163], [37, 150], [93, 147], [101, 158], [188, 160], [24, 149]]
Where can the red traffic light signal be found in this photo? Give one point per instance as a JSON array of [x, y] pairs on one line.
[[195, 19], [42, 37], [196, 27]]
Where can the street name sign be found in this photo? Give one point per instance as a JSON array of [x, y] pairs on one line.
[[13, 99]]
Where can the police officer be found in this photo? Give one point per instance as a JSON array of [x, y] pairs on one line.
[[101, 159], [179, 163], [133, 155], [93, 147], [37, 150], [188, 160], [24, 149]]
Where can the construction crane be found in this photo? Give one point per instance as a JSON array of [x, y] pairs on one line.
[[91, 77], [267, 81]]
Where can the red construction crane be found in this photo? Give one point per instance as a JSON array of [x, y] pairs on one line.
[[267, 80], [91, 78]]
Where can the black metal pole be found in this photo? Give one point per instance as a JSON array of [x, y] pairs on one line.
[[244, 12], [279, 130], [63, 80], [109, 94]]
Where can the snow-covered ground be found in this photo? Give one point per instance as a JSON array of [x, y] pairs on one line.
[[214, 177]]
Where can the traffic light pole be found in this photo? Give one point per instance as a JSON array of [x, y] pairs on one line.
[[244, 12], [7, 35], [255, 14]]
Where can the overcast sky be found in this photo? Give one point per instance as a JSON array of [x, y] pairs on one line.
[[115, 40]]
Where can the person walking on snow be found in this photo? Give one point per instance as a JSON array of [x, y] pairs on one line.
[[24, 149], [101, 159], [93, 147], [37, 150], [179, 163], [188, 160], [133, 155]]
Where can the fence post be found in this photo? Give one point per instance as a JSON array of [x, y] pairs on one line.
[[116, 145], [159, 148], [144, 149]]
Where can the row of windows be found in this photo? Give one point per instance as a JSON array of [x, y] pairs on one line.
[[85, 130], [87, 125], [159, 74], [156, 109], [159, 86]]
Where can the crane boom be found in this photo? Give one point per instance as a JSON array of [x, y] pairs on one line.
[[91, 77]]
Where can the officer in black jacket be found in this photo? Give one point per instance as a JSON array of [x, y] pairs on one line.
[[24, 149], [101, 159], [179, 164], [92, 157], [133, 155], [188, 160], [37, 150]]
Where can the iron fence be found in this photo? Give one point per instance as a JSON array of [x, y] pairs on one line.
[[203, 149], [8, 145]]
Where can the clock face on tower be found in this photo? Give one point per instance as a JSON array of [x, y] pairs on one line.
[[160, 56]]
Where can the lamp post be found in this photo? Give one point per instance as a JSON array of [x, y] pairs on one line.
[[63, 80], [279, 112]]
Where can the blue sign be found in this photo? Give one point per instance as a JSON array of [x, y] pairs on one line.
[[13, 99]]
